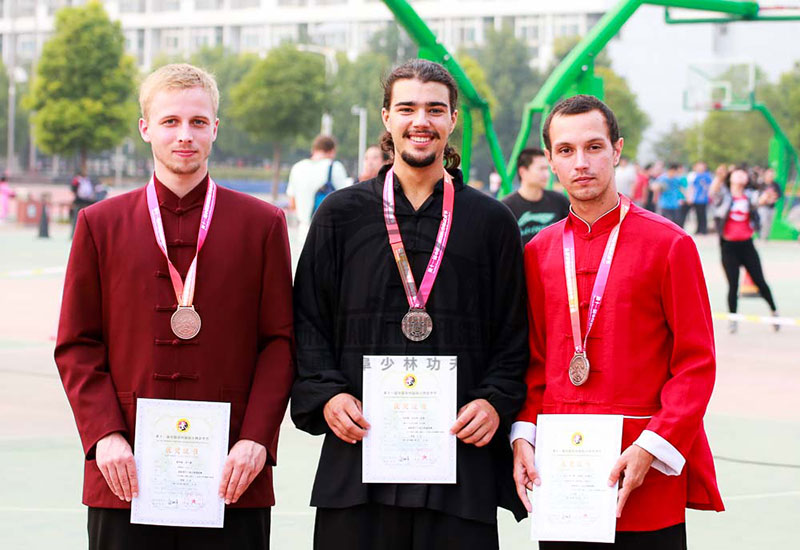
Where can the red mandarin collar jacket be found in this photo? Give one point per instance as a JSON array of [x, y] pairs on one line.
[[651, 350], [115, 344]]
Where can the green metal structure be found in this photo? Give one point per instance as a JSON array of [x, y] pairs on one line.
[[575, 75]]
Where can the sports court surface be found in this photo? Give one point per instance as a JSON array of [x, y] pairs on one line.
[[753, 421]]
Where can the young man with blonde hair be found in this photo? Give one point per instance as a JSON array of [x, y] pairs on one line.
[[127, 331]]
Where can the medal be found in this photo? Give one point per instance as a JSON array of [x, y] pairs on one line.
[[578, 369], [579, 364], [185, 322], [417, 324]]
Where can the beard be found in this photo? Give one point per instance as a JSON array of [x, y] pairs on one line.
[[418, 162], [177, 167]]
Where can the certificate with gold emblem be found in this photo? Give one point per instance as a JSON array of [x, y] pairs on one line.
[[574, 457], [180, 450], [410, 403]]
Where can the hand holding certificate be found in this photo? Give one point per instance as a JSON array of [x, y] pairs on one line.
[[574, 455], [180, 450], [410, 403]]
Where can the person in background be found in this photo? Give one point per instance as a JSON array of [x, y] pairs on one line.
[[671, 195], [533, 206], [374, 159], [320, 173], [767, 199], [736, 217], [699, 180]]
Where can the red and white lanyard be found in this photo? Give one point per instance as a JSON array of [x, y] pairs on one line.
[[568, 241], [184, 292], [417, 300]]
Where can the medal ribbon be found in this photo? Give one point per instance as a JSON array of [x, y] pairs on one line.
[[183, 292], [568, 241], [417, 300]]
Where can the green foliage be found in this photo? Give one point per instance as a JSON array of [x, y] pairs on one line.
[[357, 83], [281, 97], [229, 69], [562, 45], [505, 61], [393, 43], [479, 80], [673, 146], [21, 120], [632, 120], [730, 137], [83, 91], [783, 100]]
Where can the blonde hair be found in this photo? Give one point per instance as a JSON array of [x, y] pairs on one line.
[[177, 76]]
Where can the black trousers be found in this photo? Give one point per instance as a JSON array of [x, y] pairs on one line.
[[671, 538], [702, 219], [743, 253], [245, 529], [380, 527]]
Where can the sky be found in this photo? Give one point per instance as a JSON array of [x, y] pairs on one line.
[[654, 58]]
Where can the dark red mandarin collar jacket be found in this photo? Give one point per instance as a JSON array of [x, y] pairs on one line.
[[114, 339]]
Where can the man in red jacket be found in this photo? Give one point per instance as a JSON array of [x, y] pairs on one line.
[[646, 354], [128, 331]]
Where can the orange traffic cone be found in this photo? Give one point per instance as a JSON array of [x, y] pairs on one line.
[[747, 288]]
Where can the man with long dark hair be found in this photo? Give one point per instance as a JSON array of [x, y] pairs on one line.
[[351, 301]]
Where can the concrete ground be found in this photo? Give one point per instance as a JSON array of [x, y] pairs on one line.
[[753, 423]]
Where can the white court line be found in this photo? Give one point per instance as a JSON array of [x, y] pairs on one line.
[[762, 495], [764, 320], [22, 273], [25, 510]]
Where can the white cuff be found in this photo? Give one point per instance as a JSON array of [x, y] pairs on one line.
[[668, 460], [523, 430]]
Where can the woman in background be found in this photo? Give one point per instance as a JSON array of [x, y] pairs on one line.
[[736, 217]]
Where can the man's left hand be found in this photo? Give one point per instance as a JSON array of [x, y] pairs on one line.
[[632, 466], [476, 423], [245, 461]]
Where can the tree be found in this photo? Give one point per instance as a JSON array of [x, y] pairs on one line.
[[731, 138], [228, 69], [618, 95], [83, 91], [21, 119], [783, 99], [631, 119], [357, 83], [479, 80], [672, 147], [506, 61], [393, 43], [281, 99]]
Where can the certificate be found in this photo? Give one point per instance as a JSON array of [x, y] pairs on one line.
[[574, 457], [410, 403], [180, 450]]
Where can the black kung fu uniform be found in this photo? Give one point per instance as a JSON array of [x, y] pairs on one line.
[[349, 301]]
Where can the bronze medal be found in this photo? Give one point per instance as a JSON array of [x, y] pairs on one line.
[[579, 369], [417, 325], [185, 322]]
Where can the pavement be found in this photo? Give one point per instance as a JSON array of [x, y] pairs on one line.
[[752, 421]]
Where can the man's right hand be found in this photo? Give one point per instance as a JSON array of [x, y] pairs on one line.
[[343, 415], [525, 475], [115, 460]]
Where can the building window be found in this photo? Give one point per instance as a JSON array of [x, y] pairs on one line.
[[251, 38], [292, 2], [204, 5], [166, 5], [242, 4], [131, 6]]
